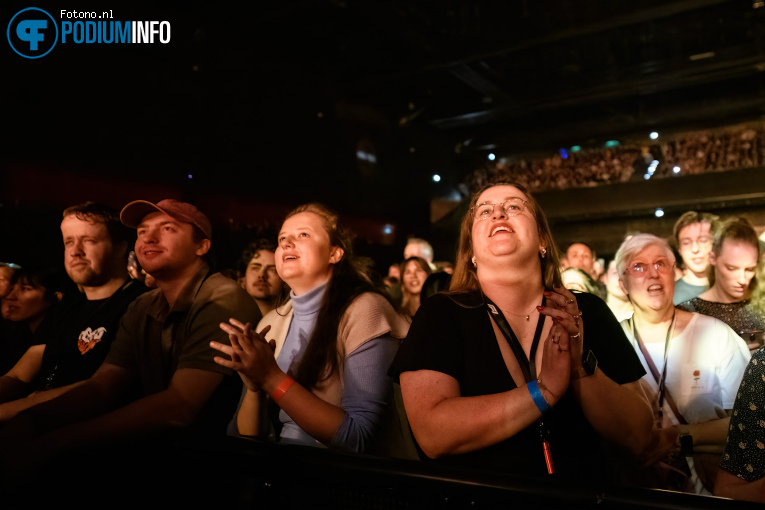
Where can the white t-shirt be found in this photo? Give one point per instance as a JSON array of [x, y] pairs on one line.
[[705, 366]]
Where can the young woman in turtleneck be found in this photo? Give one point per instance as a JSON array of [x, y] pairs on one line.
[[319, 361]]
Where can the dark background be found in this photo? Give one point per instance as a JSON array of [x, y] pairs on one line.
[[265, 105]]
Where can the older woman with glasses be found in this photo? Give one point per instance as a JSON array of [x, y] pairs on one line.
[[493, 374], [694, 363]]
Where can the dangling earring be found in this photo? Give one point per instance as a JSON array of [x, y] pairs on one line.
[[543, 252], [473, 260]]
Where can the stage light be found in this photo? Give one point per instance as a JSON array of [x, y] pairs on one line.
[[388, 228], [563, 153], [190, 176], [576, 148], [654, 135], [676, 170], [659, 212], [436, 178], [647, 176], [492, 157]]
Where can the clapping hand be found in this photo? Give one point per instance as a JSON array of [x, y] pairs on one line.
[[556, 364], [563, 308], [250, 354]]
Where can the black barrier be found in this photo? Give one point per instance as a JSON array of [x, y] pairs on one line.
[[265, 475], [237, 474]]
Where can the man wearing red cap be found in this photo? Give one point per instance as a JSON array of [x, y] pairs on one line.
[[161, 348]]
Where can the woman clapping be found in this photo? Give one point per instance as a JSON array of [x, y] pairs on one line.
[[323, 367], [510, 371]]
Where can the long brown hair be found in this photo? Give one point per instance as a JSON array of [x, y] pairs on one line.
[[465, 278], [406, 297], [349, 280]]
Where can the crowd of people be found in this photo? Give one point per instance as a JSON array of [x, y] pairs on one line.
[[516, 357], [730, 148]]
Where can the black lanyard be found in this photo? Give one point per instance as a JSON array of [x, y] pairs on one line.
[[662, 380], [528, 366]]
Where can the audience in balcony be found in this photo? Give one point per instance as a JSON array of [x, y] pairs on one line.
[[730, 148]]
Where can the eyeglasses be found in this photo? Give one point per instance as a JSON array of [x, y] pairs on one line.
[[687, 242], [510, 207], [640, 269]]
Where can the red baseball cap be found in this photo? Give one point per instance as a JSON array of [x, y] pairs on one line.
[[133, 213]]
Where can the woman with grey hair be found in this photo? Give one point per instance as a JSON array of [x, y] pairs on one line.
[[694, 362]]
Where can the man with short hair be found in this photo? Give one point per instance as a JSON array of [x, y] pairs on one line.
[[79, 333], [693, 234], [416, 247], [259, 276], [162, 350]]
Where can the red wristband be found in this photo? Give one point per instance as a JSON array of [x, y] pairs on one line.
[[282, 388]]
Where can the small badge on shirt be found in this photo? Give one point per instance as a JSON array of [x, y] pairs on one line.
[[696, 378], [89, 338]]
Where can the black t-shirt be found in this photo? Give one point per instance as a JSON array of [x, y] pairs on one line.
[[83, 335], [15, 339], [459, 341]]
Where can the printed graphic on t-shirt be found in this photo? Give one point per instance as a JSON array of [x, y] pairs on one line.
[[89, 338], [696, 381]]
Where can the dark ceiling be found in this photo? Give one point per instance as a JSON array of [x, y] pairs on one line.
[[271, 100], [526, 75]]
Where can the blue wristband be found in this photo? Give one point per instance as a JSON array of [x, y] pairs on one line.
[[536, 396]]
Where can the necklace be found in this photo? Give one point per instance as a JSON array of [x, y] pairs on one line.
[[527, 315]]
